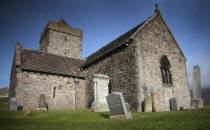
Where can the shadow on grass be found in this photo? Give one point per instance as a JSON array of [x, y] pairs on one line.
[[105, 115]]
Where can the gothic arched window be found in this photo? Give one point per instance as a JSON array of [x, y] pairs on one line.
[[165, 70]]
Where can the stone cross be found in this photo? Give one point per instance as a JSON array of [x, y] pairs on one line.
[[101, 83], [196, 85], [117, 107], [13, 104]]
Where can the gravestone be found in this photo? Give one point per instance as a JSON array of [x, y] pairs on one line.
[[196, 101], [13, 104], [148, 104], [156, 102], [173, 104], [41, 103], [101, 83], [117, 107]]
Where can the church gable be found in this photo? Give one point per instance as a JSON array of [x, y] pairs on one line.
[[157, 26], [154, 42]]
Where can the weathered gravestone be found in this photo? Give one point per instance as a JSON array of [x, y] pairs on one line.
[[117, 107], [173, 104], [148, 104], [156, 102], [41, 103], [13, 104], [196, 102], [101, 83]]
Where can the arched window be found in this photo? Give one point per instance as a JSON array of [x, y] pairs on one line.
[[165, 70]]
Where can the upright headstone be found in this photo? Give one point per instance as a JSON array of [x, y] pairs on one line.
[[173, 104], [156, 102], [196, 101], [41, 103], [101, 83], [13, 104], [117, 107], [148, 104]]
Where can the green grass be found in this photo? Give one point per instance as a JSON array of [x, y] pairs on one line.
[[85, 119], [3, 103]]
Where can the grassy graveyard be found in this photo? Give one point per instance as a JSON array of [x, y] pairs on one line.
[[85, 119]]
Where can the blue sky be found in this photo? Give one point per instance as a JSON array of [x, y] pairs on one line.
[[102, 21]]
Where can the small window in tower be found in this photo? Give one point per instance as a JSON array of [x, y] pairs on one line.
[[65, 39], [54, 89]]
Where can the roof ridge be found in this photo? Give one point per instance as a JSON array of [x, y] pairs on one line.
[[114, 39], [114, 44], [51, 54]]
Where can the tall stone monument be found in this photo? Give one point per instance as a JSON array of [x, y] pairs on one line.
[[101, 83], [196, 101], [117, 107]]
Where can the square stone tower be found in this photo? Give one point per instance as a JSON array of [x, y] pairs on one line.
[[61, 39]]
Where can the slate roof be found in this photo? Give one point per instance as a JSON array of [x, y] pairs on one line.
[[123, 39], [45, 62]]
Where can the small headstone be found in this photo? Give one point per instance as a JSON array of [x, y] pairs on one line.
[[173, 104], [20, 108], [156, 102], [148, 104], [117, 107], [13, 104], [27, 113], [42, 102]]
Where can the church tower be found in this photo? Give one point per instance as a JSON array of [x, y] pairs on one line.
[[61, 39]]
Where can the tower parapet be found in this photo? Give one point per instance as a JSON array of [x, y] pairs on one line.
[[61, 39]]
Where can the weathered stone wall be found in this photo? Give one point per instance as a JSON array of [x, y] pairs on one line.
[[153, 42], [30, 85], [61, 43], [15, 68], [121, 68]]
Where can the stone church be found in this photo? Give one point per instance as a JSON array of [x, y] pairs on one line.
[[145, 60]]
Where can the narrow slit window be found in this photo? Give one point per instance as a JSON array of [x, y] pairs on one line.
[[54, 91]]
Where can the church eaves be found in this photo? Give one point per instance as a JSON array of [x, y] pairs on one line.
[[36, 61]]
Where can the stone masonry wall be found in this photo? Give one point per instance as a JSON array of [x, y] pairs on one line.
[[121, 68], [30, 85], [62, 44], [152, 43]]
